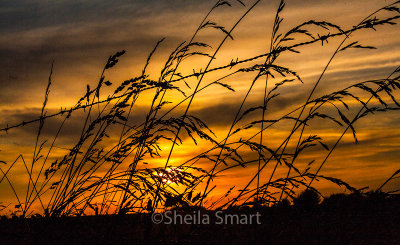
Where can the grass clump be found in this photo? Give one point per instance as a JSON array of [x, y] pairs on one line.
[[105, 171]]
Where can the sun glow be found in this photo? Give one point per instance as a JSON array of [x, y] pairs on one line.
[[170, 175]]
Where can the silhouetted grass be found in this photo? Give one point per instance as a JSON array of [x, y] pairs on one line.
[[105, 172]]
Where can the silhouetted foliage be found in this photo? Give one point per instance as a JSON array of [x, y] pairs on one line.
[[307, 199], [106, 172]]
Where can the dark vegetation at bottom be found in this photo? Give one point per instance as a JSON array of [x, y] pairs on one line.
[[339, 219]]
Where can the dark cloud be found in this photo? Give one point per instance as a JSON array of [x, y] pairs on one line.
[[79, 36], [24, 15]]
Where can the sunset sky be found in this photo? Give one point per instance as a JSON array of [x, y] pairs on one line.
[[80, 35]]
